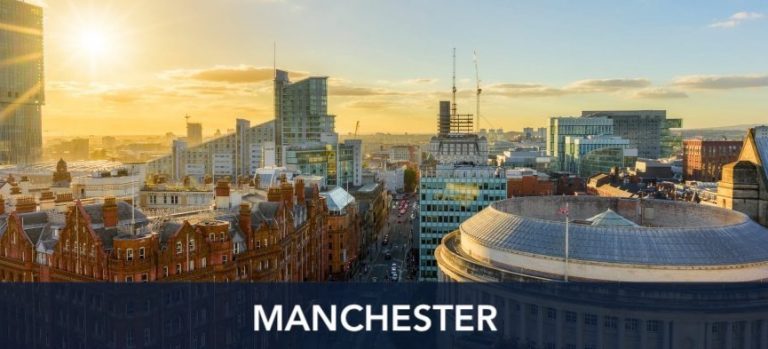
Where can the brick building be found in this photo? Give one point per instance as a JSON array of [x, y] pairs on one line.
[[278, 239], [528, 182], [703, 160]]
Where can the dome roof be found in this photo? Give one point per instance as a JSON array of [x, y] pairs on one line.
[[667, 234]]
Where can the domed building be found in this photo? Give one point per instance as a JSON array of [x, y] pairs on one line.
[[609, 239]]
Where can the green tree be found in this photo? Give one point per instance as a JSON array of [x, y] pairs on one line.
[[410, 178]]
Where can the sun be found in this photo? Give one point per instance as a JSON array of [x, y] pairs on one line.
[[94, 43]]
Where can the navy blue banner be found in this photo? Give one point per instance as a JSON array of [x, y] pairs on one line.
[[354, 315]]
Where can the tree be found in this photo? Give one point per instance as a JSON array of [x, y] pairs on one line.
[[410, 178]]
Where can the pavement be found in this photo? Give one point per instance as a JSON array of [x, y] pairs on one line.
[[399, 229]]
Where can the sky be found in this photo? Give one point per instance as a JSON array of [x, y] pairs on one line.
[[127, 67]]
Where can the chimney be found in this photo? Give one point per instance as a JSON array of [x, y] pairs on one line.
[[109, 212], [245, 218], [25, 204], [222, 195], [47, 201], [286, 194], [299, 190], [273, 194]]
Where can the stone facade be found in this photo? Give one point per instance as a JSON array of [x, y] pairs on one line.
[[744, 186]]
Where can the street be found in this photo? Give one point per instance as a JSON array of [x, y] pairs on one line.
[[398, 228]]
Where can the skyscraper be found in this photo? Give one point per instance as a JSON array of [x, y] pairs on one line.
[[194, 133], [455, 184], [21, 82], [301, 113]]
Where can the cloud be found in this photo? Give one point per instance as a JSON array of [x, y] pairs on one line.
[[353, 91], [607, 85], [659, 93], [736, 19], [229, 74], [523, 90], [722, 82], [421, 81]]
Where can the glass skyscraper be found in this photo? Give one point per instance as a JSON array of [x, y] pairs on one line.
[[21, 82]]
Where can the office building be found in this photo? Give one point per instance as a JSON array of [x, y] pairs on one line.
[[22, 93], [703, 160], [589, 155], [561, 127], [194, 133], [454, 184], [239, 153], [744, 183], [340, 164], [647, 130]]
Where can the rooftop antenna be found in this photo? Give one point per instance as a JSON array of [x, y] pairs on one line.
[[453, 91], [479, 90], [274, 59]]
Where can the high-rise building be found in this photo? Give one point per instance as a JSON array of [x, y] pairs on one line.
[[301, 113], [561, 127], [703, 160], [194, 133], [21, 82], [455, 183], [648, 130]]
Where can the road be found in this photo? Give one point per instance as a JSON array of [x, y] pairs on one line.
[[399, 229]]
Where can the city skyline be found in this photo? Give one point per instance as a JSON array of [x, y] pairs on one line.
[[110, 62]]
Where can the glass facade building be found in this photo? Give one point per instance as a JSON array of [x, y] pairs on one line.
[[301, 112], [21, 82], [562, 127], [449, 195]]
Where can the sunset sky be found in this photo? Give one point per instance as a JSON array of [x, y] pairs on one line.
[[138, 66]]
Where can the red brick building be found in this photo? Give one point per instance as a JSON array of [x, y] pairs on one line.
[[529, 185], [703, 160], [278, 239]]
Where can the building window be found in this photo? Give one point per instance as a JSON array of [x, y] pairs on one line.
[[141, 253], [191, 266], [144, 277], [224, 259], [165, 271], [129, 254], [191, 244], [178, 268], [129, 279], [203, 262], [178, 247]]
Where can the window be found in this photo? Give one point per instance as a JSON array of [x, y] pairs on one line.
[[141, 253], [165, 271], [203, 262], [224, 259], [191, 244], [191, 266], [178, 268], [178, 247], [144, 277], [129, 279]]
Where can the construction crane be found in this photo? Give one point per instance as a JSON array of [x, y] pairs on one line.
[[186, 117], [479, 91], [357, 127]]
